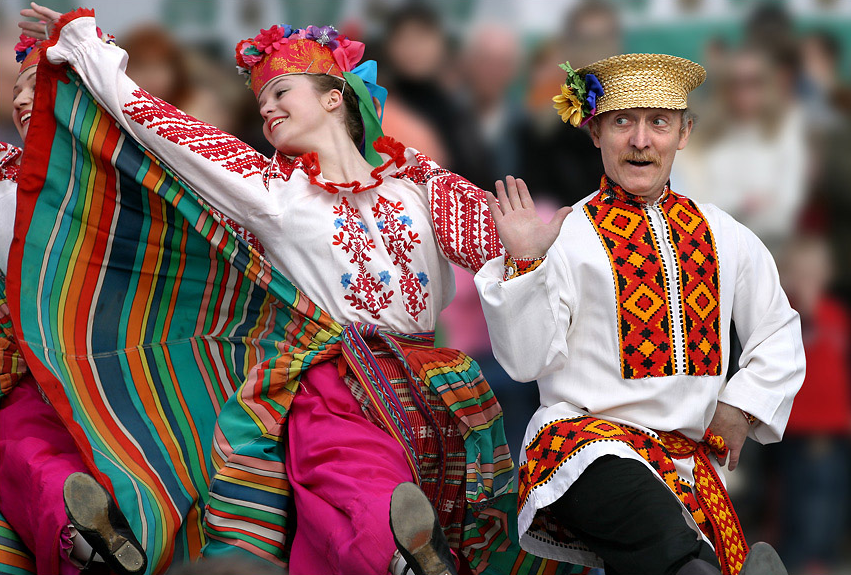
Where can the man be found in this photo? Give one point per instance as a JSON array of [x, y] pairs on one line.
[[622, 313]]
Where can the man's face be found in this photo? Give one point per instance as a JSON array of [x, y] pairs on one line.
[[638, 147]]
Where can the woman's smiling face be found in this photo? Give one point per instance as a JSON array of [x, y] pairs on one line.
[[294, 115], [22, 100]]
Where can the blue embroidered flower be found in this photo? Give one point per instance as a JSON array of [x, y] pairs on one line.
[[362, 226], [346, 280], [380, 224], [338, 223], [384, 276], [405, 220], [422, 278]]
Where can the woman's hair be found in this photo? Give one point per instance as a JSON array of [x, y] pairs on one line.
[[354, 123]]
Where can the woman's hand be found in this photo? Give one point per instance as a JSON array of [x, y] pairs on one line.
[[523, 233], [47, 20]]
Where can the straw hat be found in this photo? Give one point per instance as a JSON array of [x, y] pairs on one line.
[[644, 81]]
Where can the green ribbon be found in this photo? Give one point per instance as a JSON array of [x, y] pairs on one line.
[[371, 122]]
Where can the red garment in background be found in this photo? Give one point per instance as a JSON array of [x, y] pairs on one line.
[[824, 403]]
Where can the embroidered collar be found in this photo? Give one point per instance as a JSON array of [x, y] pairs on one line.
[[309, 163], [614, 189]]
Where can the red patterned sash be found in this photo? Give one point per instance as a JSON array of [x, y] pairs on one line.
[[707, 501]]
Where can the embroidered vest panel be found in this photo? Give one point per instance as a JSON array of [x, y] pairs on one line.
[[644, 307]]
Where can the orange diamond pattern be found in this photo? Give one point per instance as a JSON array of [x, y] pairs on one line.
[[644, 322], [707, 502], [698, 263], [644, 325]]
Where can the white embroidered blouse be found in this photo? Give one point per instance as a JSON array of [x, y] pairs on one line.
[[8, 199], [377, 252]]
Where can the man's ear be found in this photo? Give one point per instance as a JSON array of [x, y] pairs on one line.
[[594, 129], [685, 131]]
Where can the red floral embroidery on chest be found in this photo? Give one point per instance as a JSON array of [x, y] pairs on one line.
[[366, 290], [400, 241], [208, 141]]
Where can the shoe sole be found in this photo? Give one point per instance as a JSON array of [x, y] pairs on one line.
[[763, 560], [87, 504], [412, 519]]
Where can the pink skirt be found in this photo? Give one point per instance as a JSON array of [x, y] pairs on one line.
[[37, 454], [343, 469]]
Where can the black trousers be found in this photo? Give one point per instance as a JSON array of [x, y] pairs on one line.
[[630, 519]]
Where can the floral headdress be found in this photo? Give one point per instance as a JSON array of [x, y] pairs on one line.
[[282, 50], [27, 53], [577, 102]]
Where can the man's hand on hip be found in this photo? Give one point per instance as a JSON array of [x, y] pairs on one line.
[[730, 423]]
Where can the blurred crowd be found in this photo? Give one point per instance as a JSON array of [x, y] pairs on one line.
[[772, 147]]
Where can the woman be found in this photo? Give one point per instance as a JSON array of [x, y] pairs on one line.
[[48, 496], [369, 237]]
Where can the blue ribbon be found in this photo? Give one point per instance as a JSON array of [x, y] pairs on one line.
[[368, 72]]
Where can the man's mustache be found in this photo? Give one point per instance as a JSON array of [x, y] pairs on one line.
[[634, 156]]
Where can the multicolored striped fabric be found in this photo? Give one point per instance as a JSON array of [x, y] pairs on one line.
[[138, 313], [15, 559], [172, 349]]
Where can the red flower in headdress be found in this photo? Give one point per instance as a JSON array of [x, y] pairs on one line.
[[270, 40], [24, 47]]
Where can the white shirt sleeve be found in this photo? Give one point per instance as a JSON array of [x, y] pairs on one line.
[[224, 170], [772, 364], [528, 316]]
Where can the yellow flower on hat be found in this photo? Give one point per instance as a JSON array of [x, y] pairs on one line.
[[568, 106]]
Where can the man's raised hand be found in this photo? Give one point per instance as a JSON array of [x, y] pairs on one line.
[[523, 233]]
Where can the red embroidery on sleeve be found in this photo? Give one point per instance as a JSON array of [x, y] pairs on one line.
[[204, 139], [465, 230]]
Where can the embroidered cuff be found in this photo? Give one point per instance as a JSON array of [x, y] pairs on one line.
[[751, 419], [515, 267]]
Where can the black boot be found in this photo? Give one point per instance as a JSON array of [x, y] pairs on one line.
[[418, 534], [96, 517], [763, 560]]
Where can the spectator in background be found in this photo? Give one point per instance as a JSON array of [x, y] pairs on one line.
[[416, 55], [751, 157], [813, 456], [820, 53], [829, 208], [490, 60], [564, 164], [489, 63]]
